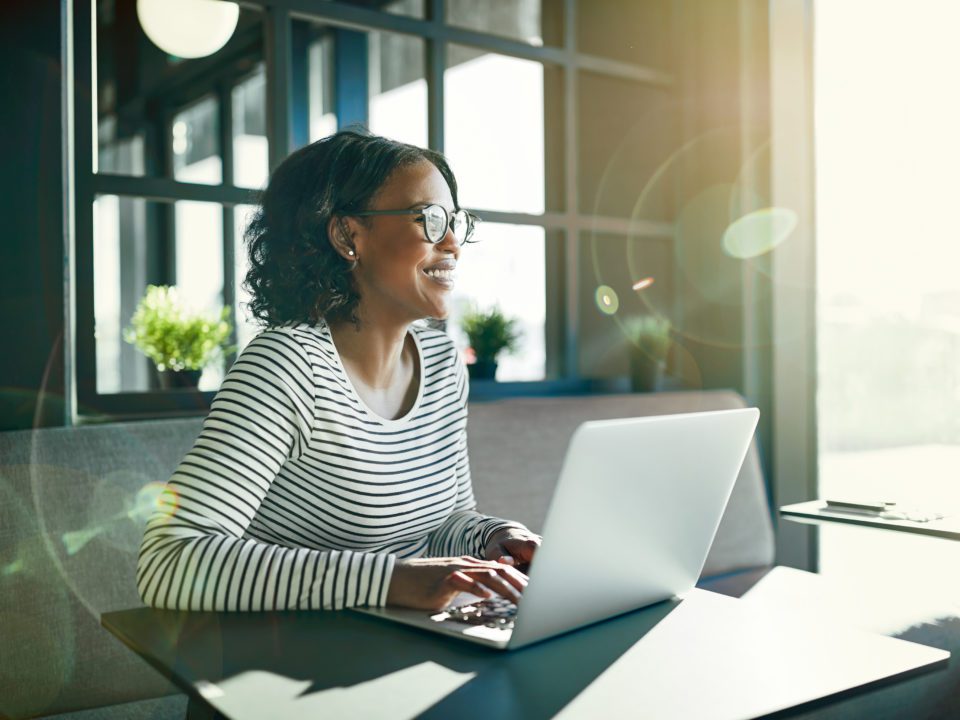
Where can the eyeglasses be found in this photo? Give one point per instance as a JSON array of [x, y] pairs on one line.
[[436, 220]]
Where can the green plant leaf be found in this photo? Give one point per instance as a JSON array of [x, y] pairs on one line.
[[174, 336], [650, 333], [490, 332]]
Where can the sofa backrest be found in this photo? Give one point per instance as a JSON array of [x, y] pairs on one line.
[[517, 448], [70, 531], [72, 513]]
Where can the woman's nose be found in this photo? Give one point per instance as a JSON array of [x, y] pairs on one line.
[[449, 242]]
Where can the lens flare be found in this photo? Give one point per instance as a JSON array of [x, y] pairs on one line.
[[167, 502], [758, 232], [12, 568], [148, 499], [643, 284], [76, 540], [607, 301]]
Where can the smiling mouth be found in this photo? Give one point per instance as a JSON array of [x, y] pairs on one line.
[[441, 277]]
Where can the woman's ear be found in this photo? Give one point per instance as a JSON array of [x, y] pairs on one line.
[[341, 234]]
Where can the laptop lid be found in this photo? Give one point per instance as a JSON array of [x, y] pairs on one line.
[[632, 518]]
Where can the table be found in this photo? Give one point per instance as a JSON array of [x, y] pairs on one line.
[[812, 512], [874, 604], [707, 656]]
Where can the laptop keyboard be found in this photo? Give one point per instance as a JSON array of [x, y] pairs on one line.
[[495, 612]]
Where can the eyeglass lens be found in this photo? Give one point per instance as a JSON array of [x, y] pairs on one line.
[[435, 224]]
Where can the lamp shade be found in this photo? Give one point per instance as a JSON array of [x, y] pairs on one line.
[[188, 28]]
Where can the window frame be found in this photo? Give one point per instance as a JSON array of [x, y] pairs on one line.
[[563, 228]]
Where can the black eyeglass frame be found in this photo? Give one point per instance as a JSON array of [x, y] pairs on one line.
[[471, 220]]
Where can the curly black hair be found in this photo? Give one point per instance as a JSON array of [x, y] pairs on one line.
[[295, 274]]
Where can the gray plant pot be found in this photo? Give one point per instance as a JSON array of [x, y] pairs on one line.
[[483, 370], [646, 372], [179, 380]]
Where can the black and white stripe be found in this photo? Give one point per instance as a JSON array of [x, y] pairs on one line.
[[296, 495]]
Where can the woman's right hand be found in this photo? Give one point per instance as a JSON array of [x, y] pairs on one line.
[[432, 583]]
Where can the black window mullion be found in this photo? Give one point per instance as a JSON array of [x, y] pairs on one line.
[[436, 50], [277, 39], [227, 212], [84, 92], [225, 122], [299, 102], [166, 190], [571, 253]]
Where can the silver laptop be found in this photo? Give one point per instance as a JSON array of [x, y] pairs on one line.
[[633, 516]]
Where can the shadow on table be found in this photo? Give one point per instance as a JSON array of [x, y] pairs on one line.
[[299, 663]]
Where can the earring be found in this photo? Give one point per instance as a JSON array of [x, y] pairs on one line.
[[351, 253]]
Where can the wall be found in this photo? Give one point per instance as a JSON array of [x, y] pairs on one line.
[[31, 273]]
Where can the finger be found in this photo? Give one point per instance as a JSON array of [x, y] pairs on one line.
[[461, 582], [498, 587], [514, 576], [474, 564], [500, 582], [521, 551], [506, 560]]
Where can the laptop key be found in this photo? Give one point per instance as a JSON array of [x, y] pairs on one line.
[[494, 612]]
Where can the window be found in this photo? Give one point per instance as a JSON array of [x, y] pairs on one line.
[[888, 296], [506, 90]]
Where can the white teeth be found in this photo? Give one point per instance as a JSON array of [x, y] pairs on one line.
[[440, 274]]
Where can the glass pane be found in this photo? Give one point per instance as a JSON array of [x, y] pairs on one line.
[[514, 254], [250, 150], [156, 112], [130, 252], [199, 265], [494, 131], [611, 266], [121, 252], [633, 32], [322, 118], [398, 87], [532, 21], [888, 294], [621, 152], [195, 140], [351, 77], [412, 8], [123, 156], [246, 327]]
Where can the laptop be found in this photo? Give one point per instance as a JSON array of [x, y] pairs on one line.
[[631, 521]]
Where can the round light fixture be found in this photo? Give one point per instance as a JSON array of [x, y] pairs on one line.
[[188, 28]]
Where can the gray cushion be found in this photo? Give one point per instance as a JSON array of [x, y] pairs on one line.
[[517, 447], [69, 534], [171, 707]]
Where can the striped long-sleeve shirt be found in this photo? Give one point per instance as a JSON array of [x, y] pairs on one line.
[[296, 495]]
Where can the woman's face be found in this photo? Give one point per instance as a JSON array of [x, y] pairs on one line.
[[395, 255]]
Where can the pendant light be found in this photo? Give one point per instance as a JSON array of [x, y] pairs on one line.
[[188, 28]]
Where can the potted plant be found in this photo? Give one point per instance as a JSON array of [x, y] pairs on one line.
[[649, 337], [489, 333], [180, 341]]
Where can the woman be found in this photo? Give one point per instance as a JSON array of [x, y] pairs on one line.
[[332, 469]]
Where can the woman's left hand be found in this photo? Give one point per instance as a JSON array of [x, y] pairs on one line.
[[513, 546]]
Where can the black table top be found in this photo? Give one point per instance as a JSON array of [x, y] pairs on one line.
[[302, 664]]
